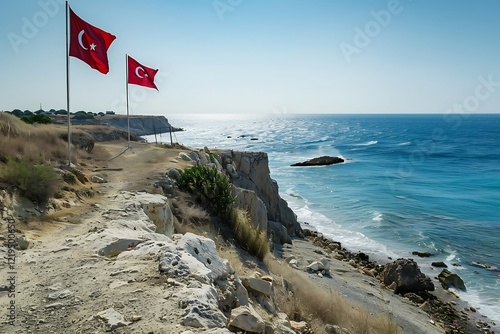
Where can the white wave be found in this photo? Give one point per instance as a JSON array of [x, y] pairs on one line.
[[377, 217], [372, 142], [406, 143], [451, 257], [356, 241]]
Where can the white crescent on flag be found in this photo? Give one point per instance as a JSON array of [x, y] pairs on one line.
[[137, 72], [80, 35]]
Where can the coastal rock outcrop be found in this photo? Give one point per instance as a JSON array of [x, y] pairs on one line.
[[449, 279], [253, 168], [320, 161], [255, 191], [246, 319], [405, 276]]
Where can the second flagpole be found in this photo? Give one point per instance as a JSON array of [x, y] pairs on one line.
[[126, 93], [67, 85]]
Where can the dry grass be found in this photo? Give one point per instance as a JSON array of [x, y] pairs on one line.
[[37, 143], [229, 253], [187, 211], [249, 237], [301, 299], [190, 216]]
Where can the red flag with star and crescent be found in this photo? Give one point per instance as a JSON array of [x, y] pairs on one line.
[[141, 75], [89, 43]]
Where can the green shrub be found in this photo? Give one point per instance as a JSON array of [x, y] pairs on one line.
[[209, 186], [35, 182], [40, 119], [214, 190]]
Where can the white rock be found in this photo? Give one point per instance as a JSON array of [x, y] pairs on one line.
[[315, 266], [246, 319], [326, 265], [60, 294], [202, 307], [113, 319], [204, 250], [184, 156], [250, 202], [257, 286]]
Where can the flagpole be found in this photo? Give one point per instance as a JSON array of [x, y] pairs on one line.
[[67, 85], [126, 89]]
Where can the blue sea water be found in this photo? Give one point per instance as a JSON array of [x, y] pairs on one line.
[[411, 182]]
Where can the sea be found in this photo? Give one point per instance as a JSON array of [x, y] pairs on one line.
[[410, 182]]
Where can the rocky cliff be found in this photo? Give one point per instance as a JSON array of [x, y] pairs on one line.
[[255, 190], [139, 125]]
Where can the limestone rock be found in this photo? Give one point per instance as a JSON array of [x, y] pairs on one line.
[[184, 156], [154, 206], [113, 319], [407, 276], [202, 307], [246, 319], [204, 250], [255, 176], [299, 326], [58, 292], [61, 294], [326, 265], [257, 286], [448, 279], [282, 321], [176, 265], [315, 266], [278, 233], [250, 202]]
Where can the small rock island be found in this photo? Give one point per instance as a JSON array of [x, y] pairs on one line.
[[321, 161]]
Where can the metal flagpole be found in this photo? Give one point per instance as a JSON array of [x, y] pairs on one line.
[[126, 89], [67, 84]]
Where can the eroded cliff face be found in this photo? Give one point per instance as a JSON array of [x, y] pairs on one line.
[[255, 190], [139, 125]]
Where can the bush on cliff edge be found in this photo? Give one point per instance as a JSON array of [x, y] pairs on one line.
[[37, 182], [210, 187], [213, 189]]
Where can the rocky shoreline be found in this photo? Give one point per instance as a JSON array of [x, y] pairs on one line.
[[455, 316]]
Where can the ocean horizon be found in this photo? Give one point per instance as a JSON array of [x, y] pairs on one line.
[[411, 182]]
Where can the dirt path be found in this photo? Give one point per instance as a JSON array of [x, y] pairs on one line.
[[61, 284]]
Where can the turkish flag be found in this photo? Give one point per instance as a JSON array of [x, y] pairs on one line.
[[89, 43], [141, 75]]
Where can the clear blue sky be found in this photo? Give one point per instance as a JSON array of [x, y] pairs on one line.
[[260, 56]]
